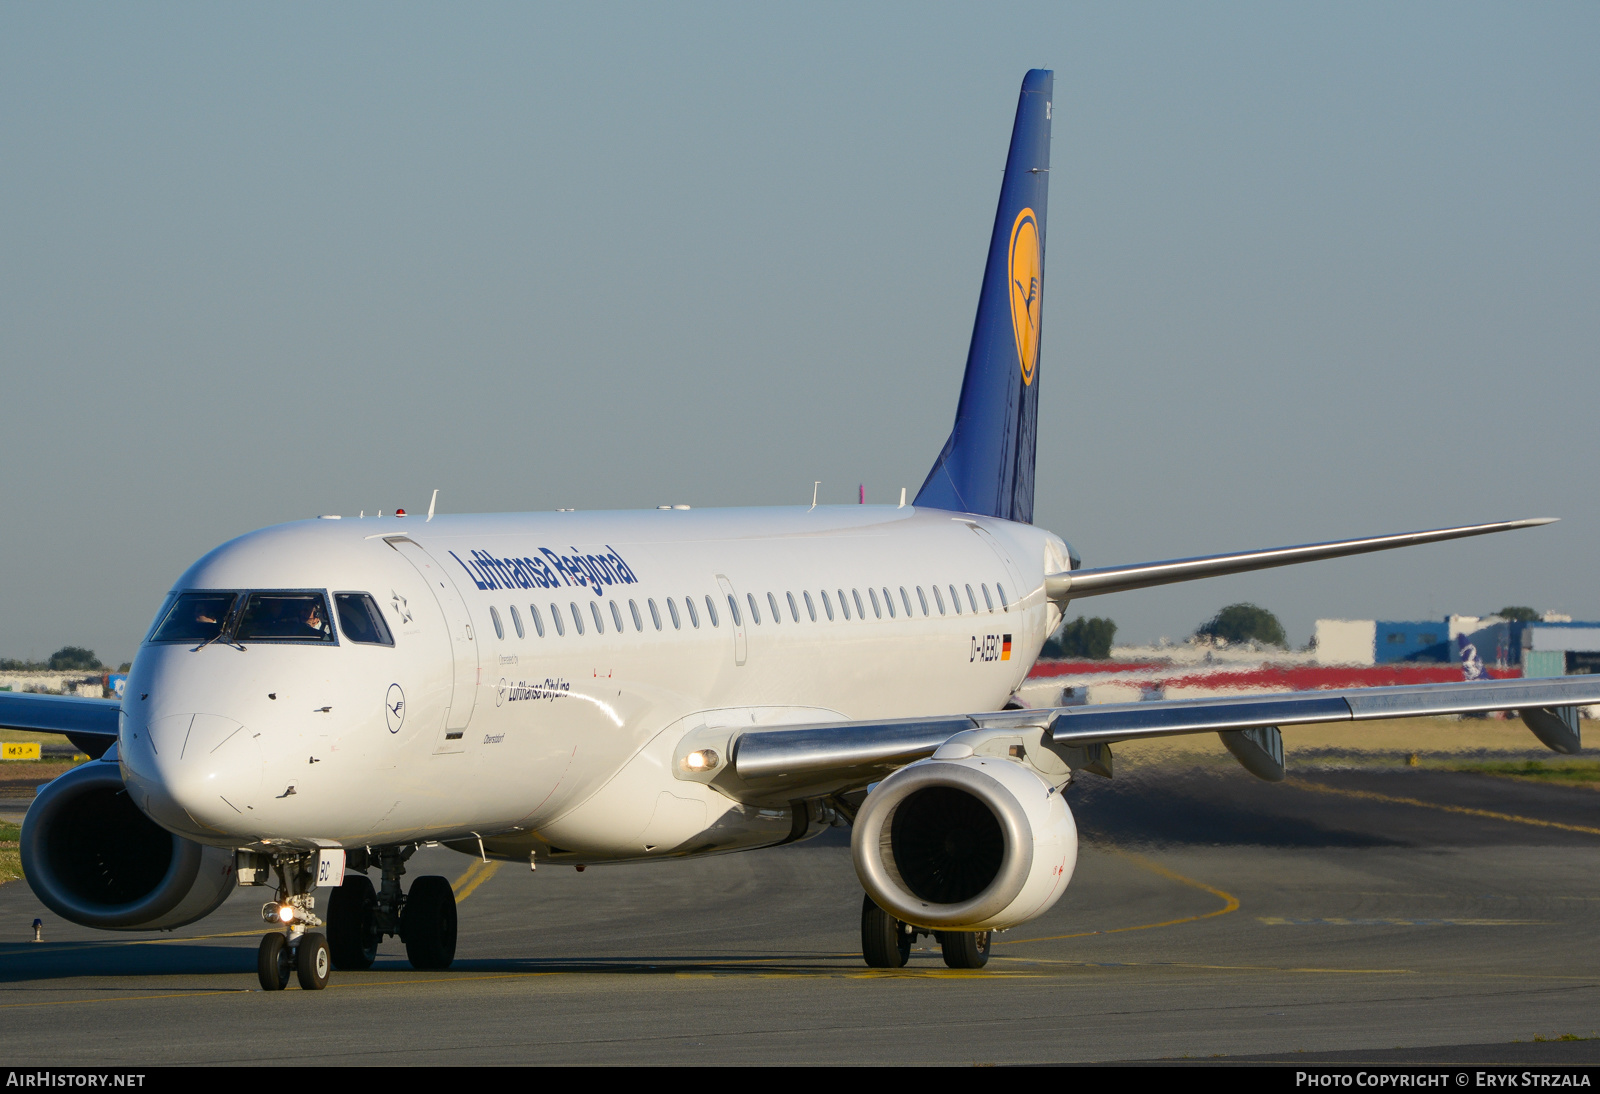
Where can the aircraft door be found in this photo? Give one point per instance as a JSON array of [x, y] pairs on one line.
[[736, 617], [463, 644]]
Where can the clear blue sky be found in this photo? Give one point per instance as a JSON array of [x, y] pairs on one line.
[[1312, 271]]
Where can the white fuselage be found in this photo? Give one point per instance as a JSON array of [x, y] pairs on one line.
[[562, 742]]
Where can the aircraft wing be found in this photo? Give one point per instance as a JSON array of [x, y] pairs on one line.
[[90, 724], [782, 763]]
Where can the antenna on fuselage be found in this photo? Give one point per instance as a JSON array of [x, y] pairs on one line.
[[431, 502], [814, 487]]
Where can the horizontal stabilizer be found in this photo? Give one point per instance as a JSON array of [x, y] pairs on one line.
[[1063, 587]]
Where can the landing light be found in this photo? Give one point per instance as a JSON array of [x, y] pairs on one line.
[[701, 759], [285, 913]]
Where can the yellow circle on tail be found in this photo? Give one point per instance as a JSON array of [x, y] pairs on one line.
[[1026, 270]]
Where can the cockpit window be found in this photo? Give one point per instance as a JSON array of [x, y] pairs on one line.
[[194, 617], [285, 617], [361, 621]]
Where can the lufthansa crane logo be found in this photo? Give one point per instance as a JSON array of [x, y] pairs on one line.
[[1026, 268]]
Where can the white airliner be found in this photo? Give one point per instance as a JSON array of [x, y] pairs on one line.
[[317, 699]]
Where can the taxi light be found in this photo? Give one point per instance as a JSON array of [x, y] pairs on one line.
[[701, 759], [285, 913]]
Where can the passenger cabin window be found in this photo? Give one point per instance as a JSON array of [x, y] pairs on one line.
[[794, 614], [360, 619], [538, 624], [599, 624], [938, 598], [877, 611], [755, 611], [811, 607], [1001, 589], [516, 621], [772, 602], [733, 611], [844, 605], [955, 598], [499, 628], [285, 617], [638, 623], [972, 599], [616, 615], [655, 613], [888, 601], [694, 616], [988, 601], [861, 611], [577, 616], [711, 609], [555, 617], [905, 598]]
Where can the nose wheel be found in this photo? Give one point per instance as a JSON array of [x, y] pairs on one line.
[[306, 959], [274, 962]]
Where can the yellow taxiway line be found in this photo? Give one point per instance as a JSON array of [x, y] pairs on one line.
[[1466, 811]]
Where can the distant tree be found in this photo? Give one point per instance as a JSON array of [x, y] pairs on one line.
[[1519, 615], [1242, 622], [12, 664], [74, 657], [1090, 638]]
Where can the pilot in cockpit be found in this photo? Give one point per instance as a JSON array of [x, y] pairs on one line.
[[313, 619]]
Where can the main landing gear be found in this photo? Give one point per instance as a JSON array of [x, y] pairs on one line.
[[359, 917], [886, 941]]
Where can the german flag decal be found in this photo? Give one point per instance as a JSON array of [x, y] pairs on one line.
[[1005, 647]]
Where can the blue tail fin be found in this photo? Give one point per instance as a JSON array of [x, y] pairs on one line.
[[987, 464]]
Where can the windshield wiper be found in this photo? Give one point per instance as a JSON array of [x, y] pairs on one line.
[[222, 633]]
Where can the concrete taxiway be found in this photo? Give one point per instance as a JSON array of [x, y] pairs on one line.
[[1352, 914]]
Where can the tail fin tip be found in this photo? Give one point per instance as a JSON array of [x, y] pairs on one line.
[[987, 465]]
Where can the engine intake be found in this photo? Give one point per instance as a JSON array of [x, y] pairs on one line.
[[972, 843], [93, 858]]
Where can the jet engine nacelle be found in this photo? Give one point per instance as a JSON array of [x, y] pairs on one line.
[[95, 859], [970, 843]]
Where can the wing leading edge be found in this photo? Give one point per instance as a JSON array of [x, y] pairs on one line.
[[90, 724], [769, 764]]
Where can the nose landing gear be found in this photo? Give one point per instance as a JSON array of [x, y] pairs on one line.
[[295, 949]]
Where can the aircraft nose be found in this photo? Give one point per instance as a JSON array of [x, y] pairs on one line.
[[193, 770]]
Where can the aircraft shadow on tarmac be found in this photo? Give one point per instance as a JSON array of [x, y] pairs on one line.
[[27, 961], [1209, 808], [23, 962]]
